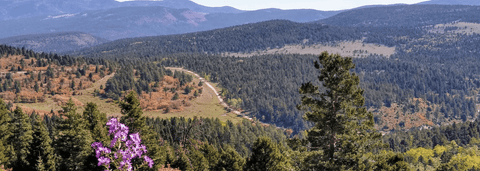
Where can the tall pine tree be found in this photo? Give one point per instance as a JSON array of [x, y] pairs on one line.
[[42, 154], [343, 130], [230, 160], [266, 156], [96, 124], [132, 117], [22, 139], [73, 140], [6, 131]]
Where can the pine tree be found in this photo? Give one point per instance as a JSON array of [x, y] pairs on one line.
[[175, 97], [211, 154], [36, 87], [6, 131], [96, 122], [198, 160], [230, 160], [133, 119], [266, 156], [3, 158], [22, 139], [343, 130], [40, 165], [182, 162], [388, 160], [42, 154], [73, 140]]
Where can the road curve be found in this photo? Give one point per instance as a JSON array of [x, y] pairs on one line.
[[223, 103]]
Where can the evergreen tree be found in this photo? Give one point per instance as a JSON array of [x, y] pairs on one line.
[[39, 76], [198, 160], [266, 156], [22, 139], [187, 90], [390, 161], [36, 87], [133, 119], [96, 122], [183, 162], [73, 140], [40, 165], [3, 158], [230, 160], [175, 97], [211, 154], [165, 89], [343, 130], [42, 154], [6, 131]]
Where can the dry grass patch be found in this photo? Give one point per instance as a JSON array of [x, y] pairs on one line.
[[347, 48], [456, 27], [206, 105]]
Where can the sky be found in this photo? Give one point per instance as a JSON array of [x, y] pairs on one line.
[[324, 5]]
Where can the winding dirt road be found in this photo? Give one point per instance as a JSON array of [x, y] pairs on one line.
[[223, 103]]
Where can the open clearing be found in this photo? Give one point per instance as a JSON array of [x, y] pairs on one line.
[[206, 105], [350, 48], [456, 27], [110, 108]]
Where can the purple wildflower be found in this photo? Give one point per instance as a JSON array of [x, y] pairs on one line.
[[129, 147], [136, 138], [149, 161], [104, 160]]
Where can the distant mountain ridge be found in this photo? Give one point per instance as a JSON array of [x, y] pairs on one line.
[[54, 42], [15, 9], [452, 2], [126, 22], [405, 16]]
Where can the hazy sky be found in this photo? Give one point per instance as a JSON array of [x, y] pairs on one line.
[[325, 5], [299, 4]]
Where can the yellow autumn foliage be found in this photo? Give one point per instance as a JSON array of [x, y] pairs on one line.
[[465, 162], [420, 151]]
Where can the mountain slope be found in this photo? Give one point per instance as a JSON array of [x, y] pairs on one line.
[[243, 38], [405, 16], [179, 4], [452, 2], [33, 8], [54, 42], [127, 22]]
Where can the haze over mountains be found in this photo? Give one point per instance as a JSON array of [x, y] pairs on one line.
[[32, 8], [405, 16], [54, 42], [452, 2]]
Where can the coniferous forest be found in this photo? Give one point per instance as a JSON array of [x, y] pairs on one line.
[[414, 109]]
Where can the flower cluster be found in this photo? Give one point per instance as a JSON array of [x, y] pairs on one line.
[[128, 147]]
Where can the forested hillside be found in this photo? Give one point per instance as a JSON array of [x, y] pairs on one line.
[[54, 42], [405, 16], [250, 38], [243, 38], [416, 109], [443, 89]]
